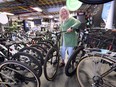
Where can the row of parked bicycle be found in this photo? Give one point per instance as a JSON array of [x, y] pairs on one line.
[[22, 61]]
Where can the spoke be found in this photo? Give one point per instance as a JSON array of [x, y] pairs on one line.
[[8, 78]]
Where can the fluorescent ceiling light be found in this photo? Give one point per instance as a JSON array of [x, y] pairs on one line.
[[30, 18], [50, 16], [1, 1], [37, 9], [7, 13]]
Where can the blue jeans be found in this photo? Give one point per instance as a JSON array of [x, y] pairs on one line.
[[63, 51]]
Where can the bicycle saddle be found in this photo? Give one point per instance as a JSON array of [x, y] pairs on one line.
[[95, 1]]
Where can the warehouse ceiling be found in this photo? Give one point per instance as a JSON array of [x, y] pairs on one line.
[[17, 7], [24, 7]]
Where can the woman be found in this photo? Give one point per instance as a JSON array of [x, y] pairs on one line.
[[69, 39]]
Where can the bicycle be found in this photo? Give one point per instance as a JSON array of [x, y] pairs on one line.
[[94, 69], [52, 58], [97, 69], [70, 68]]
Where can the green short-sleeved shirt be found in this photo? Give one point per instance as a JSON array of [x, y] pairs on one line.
[[70, 39]]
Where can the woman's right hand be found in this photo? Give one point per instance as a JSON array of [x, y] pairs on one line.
[[69, 30]]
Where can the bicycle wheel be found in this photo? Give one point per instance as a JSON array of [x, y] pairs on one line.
[[17, 74], [51, 64], [28, 60], [49, 42], [95, 71], [34, 52], [70, 68]]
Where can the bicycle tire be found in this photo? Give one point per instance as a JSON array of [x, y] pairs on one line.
[[28, 60], [49, 42], [41, 49], [34, 52], [15, 77], [92, 71], [70, 68], [52, 58], [44, 45]]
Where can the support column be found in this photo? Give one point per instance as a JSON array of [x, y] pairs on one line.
[[109, 22]]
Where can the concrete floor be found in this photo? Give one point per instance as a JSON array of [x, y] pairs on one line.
[[60, 81]]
